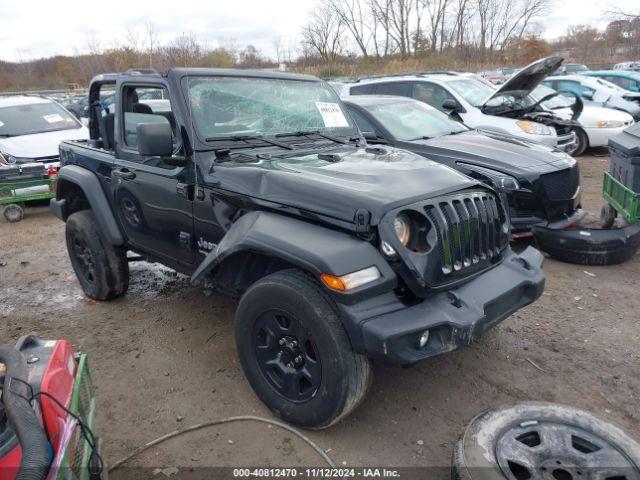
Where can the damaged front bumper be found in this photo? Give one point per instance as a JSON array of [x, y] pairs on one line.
[[522, 226], [390, 331]]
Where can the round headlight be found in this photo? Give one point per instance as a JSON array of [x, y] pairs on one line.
[[402, 227]]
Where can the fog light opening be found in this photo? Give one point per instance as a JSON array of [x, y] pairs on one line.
[[423, 339]]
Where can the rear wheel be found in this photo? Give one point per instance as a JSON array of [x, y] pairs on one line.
[[13, 212], [102, 269], [295, 351]]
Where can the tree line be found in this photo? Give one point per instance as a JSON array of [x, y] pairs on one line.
[[469, 30], [354, 37]]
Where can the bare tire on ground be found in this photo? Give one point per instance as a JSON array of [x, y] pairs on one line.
[[539, 440], [102, 269], [13, 212], [295, 352]]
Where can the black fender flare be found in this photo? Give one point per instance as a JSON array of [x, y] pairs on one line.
[[311, 247], [90, 186]]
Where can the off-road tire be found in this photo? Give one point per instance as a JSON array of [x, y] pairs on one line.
[[13, 212], [345, 375], [108, 277], [583, 143]]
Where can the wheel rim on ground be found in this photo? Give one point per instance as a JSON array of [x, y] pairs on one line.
[[85, 260], [286, 355], [559, 451], [13, 212]]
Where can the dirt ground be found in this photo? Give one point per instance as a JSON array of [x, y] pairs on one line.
[[163, 358]]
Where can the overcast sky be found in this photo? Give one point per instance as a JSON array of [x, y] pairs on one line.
[[40, 28]]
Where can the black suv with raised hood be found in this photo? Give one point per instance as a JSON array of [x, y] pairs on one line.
[[259, 185]]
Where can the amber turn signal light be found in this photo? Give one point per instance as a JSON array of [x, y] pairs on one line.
[[333, 282]]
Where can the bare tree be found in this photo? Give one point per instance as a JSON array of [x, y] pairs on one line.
[[354, 16], [152, 40], [324, 33], [380, 20], [184, 51], [132, 37], [437, 11]]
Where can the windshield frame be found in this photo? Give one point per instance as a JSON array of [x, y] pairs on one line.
[[74, 125], [208, 143]]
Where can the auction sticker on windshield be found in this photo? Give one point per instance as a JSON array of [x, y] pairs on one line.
[[332, 115], [1, 124], [53, 118]]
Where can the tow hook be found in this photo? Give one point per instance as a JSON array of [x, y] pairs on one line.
[[524, 262]]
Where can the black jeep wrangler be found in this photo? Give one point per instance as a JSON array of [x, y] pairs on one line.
[[258, 185]]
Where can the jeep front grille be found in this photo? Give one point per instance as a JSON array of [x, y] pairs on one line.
[[470, 229]]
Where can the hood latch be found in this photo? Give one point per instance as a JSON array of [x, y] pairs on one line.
[[362, 218]]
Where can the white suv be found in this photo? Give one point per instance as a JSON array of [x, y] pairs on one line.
[[477, 104]]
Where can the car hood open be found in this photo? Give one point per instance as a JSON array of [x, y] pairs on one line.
[[505, 153], [523, 82], [374, 179]]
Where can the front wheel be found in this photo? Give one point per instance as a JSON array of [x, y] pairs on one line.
[[582, 143], [102, 269], [295, 352]]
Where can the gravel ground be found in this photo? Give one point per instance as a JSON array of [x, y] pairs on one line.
[[163, 357]]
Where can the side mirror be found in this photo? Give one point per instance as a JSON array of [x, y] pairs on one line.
[[154, 139], [371, 137], [450, 105]]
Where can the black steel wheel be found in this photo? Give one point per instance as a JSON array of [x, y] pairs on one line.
[[102, 269], [544, 441], [85, 260], [295, 352], [287, 355]]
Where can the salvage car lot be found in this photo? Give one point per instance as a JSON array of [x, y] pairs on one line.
[[163, 357]]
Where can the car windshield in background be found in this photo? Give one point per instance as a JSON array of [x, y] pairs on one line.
[[553, 103], [224, 107], [472, 90], [414, 120], [576, 68], [34, 118]]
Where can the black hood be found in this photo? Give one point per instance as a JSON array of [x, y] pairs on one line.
[[522, 83], [505, 153], [346, 180]]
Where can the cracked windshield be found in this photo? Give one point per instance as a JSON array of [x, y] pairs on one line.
[[224, 107]]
